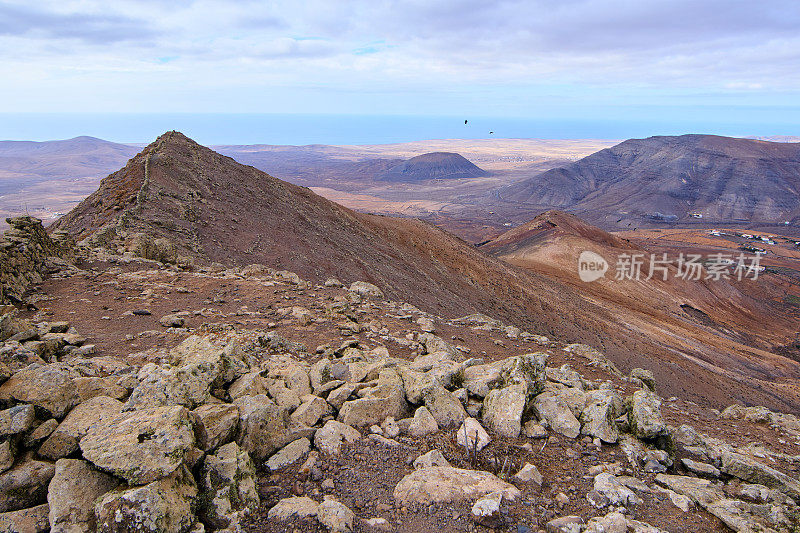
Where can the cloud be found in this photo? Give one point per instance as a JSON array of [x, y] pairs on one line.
[[98, 29]]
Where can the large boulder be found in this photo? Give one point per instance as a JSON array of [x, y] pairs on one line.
[[446, 409], [31, 520], [750, 470], [472, 436], [25, 485], [198, 351], [49, 387], [72, 495], [228, 486], [444, 484], [559, 416], [188, 386], [386, 399], [335, 516], [265, 427], [64, 440], [599, 414], [644, 415], [141, 446], [365, 289], [164, 506], [215, 425], [503, 409], [17, 419]]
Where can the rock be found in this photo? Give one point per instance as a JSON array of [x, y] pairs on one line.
[[6, 455], [17, 419], [529, 474], [141, 446], [295, 507], [64, 440], [250, 384], [216, 424], [72, 494], [310, 411], [378, 524], [609, 491], [263, 426], [486, 511], [701, 491], [335, 516], [678, 500], [686, 435], [329, 439], [644, 415], [534, 430], [289, 454], [559, 416], [472, 436], [479, 379], [44, 430], [565, 524], [503, 408], [93, 386], [440, 484], [163, 506], [423, 423], [172, 321], [25, 485], [31, 520], [341, 394], [752, 471], [598, 416], [432, 458], [333, 282], [390, 427], [701, 469], [445, 409], [228, 485], [365, 289], [189, 386], [384, 400], [645, 376], [49, 387]]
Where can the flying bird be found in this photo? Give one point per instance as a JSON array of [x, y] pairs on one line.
[[491, 132], [465, 122]]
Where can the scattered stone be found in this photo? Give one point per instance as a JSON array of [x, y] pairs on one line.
[[423, 423], [294, 507], [529, 474], [503, 408], [559, 416], [25, 485], [172, 321], [565, 524], [289, 454], [472, 436], [701, 469], [432, 458], [31, 520], [215, 425], [49, 387], [438, 484], [486, 510], [534, 430], [644, 415], [329, 439], [228, 485], [335, 516]]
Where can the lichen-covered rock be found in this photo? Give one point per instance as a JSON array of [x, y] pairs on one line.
[[443, 406], [598, 415], [31, 520], [25, 485], [385, 399], [141, 446], [228, 486], [164, 506], [17, 419], [644, 415], [64, 440], [335, 516], [329, 439], [503, 409], [559, 416], [215, 425], [198, 351], [49, 387], [188, 386], [72, 494], [440, 484], [752, 471], [264, 427]]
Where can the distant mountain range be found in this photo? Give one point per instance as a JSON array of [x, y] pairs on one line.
[[664, 179]]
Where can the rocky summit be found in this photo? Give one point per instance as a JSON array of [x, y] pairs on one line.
[[140, 392]]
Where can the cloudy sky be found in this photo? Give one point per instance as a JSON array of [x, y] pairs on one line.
[[722, 61]]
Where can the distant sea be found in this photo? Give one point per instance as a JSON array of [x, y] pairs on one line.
[[294, 129]]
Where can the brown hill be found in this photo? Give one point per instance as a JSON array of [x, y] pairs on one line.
[[218, 210], [435, 165], [669, 178]]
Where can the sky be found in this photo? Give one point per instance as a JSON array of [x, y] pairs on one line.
[[715, 66]]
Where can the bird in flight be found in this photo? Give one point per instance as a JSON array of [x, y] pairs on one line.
[[465, 121], [491, 133]]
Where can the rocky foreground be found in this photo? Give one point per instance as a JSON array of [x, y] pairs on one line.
[[331, 408]]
